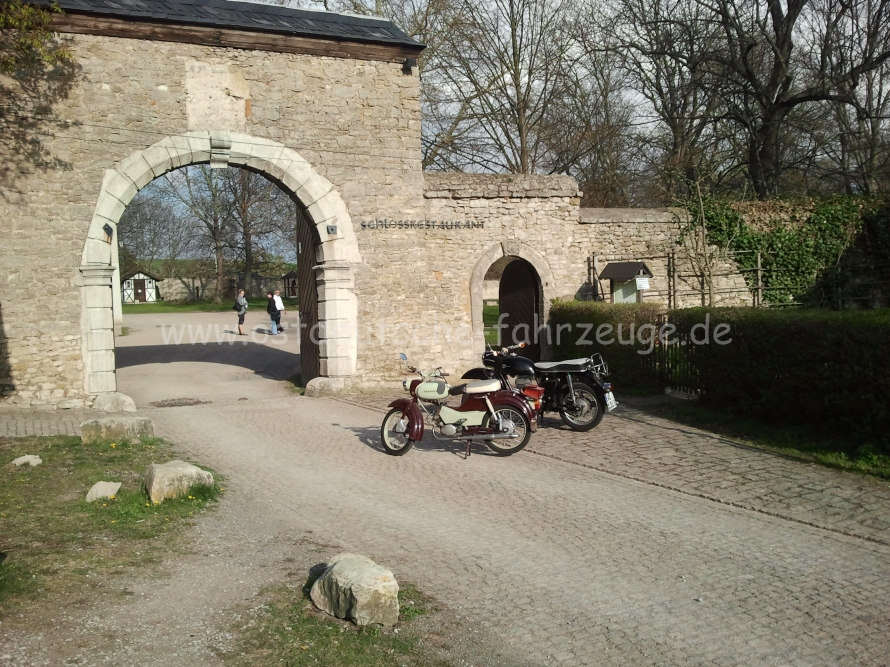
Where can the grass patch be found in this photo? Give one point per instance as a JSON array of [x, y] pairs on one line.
[[790, 441], [295, 384], [56, 543], [288, 630], [255, 304], [490, 316]]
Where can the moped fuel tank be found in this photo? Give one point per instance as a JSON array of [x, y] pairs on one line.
[[432, 390]]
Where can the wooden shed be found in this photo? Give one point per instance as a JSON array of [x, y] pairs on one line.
[[139, 287], [623, 277]]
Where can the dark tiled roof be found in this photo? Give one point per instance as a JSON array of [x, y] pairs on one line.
[[625, 271], [244, 16]]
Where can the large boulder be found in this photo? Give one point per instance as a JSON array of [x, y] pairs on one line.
[[117, 428], [357, 588], [103, 490], [173, 479]]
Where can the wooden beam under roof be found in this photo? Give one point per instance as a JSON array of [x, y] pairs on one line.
[[86, 24]]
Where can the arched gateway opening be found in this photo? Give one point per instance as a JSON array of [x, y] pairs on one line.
[[519, 301], [525, 288], [330, 249]]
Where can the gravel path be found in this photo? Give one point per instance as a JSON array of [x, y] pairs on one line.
[[557, 559]]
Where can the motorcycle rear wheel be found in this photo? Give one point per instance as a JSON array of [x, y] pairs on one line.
[[521, 427], [395, 443], [589, 414]]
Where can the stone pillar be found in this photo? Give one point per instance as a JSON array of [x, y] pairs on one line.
[[98, 326], [337, 328]]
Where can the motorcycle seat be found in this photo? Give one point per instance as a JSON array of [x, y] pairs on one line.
[[568, 366], [483, 386]]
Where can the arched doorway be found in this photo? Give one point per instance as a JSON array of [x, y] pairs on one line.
[[334, 245], [489, 270], [519, 301]]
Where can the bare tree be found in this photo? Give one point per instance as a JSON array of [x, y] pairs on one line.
[[152, 236], [503, 66], [203, 193]]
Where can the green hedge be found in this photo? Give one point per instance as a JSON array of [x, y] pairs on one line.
[[822, 369], [628, 368]]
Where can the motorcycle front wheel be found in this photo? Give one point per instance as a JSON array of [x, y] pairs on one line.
[[394, 433], [515, 422], [587, 412]]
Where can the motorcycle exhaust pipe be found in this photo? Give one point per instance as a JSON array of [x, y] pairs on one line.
[[498, 436]]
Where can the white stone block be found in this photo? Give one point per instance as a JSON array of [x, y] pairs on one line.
[[335, 310], [102, 361], [159, 158], [97, 252], [100, 318], [101, 383], [313, 189], [336, 366], [137, 169], [97, 296], [119, 187], [334, 347], [100, 340]]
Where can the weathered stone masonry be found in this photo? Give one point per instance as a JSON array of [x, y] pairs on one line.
[[342, 135]]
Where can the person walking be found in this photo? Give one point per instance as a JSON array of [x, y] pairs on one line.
[[241, 302], [279, 304], [272, 309]]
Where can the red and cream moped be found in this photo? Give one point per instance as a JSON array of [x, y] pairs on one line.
[[501, 419]]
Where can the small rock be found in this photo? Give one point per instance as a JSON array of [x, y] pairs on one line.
[[30, 459], [173, 479], [357, 588], [114, 402], [103, 490], [697, 599], [117, 428]]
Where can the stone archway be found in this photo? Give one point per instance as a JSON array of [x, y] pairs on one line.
[[336, 255], [493, 254]]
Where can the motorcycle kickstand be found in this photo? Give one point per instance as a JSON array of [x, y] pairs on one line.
[[469, 450]]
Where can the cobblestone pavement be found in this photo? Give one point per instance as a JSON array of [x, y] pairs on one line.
[[640, 543], [563, 563], [638, 446], [15, 423]]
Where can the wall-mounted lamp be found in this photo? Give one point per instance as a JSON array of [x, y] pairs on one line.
[[109, 232], [408, 65]]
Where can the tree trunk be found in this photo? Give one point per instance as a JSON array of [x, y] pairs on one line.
[[220, 273], [763, 156]]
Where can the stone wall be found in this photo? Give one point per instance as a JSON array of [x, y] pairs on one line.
[[356, 122], [649, 235], [411, 277]]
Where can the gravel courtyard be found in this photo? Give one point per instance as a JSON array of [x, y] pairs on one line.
[[639, 543]]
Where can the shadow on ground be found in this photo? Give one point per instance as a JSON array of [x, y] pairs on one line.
[[370, 437], [264, 360]]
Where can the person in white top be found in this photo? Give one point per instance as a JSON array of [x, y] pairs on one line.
[[279, 304]]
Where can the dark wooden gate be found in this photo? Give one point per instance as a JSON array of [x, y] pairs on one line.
[[519, 299], [308, 301]]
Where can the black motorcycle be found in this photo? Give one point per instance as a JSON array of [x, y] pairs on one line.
[[574, 388]]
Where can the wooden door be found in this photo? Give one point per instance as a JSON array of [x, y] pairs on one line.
[[519, 303], [139, 286], [308, 301]]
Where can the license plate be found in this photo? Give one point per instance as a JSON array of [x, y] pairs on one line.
[[611, 403]]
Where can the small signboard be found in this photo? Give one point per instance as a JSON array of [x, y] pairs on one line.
[[642, 282]]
